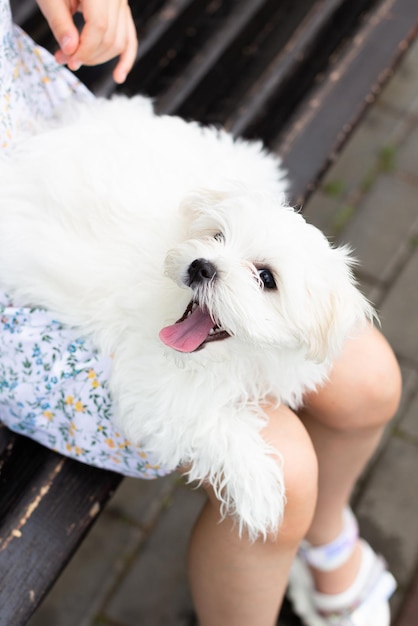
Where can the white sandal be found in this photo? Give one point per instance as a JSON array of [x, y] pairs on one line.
[[364, 603]]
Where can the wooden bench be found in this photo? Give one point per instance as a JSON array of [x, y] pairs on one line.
[[299, 75]]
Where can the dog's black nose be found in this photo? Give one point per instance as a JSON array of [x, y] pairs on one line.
[[200, 271]]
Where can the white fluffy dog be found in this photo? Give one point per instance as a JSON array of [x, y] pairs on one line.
[[122, 222]]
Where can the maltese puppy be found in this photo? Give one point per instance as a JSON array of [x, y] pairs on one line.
[[171, 245]]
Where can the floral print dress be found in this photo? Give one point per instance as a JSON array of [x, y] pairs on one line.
[[53, 383]]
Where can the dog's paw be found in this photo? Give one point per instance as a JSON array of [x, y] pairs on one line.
[[256, 498], [248, 482]]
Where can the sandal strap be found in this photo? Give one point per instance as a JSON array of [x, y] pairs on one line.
[[334, 554], [379, 588]]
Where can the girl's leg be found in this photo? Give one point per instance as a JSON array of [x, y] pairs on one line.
[[238, 583], [345, 420]]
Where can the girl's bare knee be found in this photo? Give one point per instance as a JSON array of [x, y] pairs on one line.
[[300, 470], [384, 386], [364, 388]]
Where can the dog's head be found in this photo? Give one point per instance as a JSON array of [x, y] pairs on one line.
[[258, 273]]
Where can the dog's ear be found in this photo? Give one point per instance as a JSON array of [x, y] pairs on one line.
[[335, 315], [200, 201], [196, 209], [329, 327]]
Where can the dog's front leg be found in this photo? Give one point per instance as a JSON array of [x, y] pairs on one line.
[[246, 475]]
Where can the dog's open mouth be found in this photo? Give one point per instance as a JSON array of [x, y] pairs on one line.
[[192, 331]]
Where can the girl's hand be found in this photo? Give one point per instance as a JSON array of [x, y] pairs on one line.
[[108, 32]]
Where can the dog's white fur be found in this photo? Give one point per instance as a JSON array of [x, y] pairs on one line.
[[100, 218]]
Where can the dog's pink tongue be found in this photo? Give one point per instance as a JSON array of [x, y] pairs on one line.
[[188, 335]]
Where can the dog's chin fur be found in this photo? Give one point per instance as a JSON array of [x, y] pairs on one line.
[[100, 219]]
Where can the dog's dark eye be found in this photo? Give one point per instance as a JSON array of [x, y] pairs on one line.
[[267, 279], [219, 236]]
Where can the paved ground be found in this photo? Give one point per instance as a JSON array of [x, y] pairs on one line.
[[131, 569]]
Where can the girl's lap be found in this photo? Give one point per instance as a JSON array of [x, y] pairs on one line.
[[54, 389]]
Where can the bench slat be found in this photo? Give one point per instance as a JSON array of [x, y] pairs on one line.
[[209, 56], [284, 67], [184, 30], [55, 503]]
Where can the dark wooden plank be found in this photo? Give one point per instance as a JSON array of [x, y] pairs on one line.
[[44, 522], [209, 55], [184, 28], [249, 44], [6, 438], [20, 461], [326, 118], [284, 67], [281, 86]]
